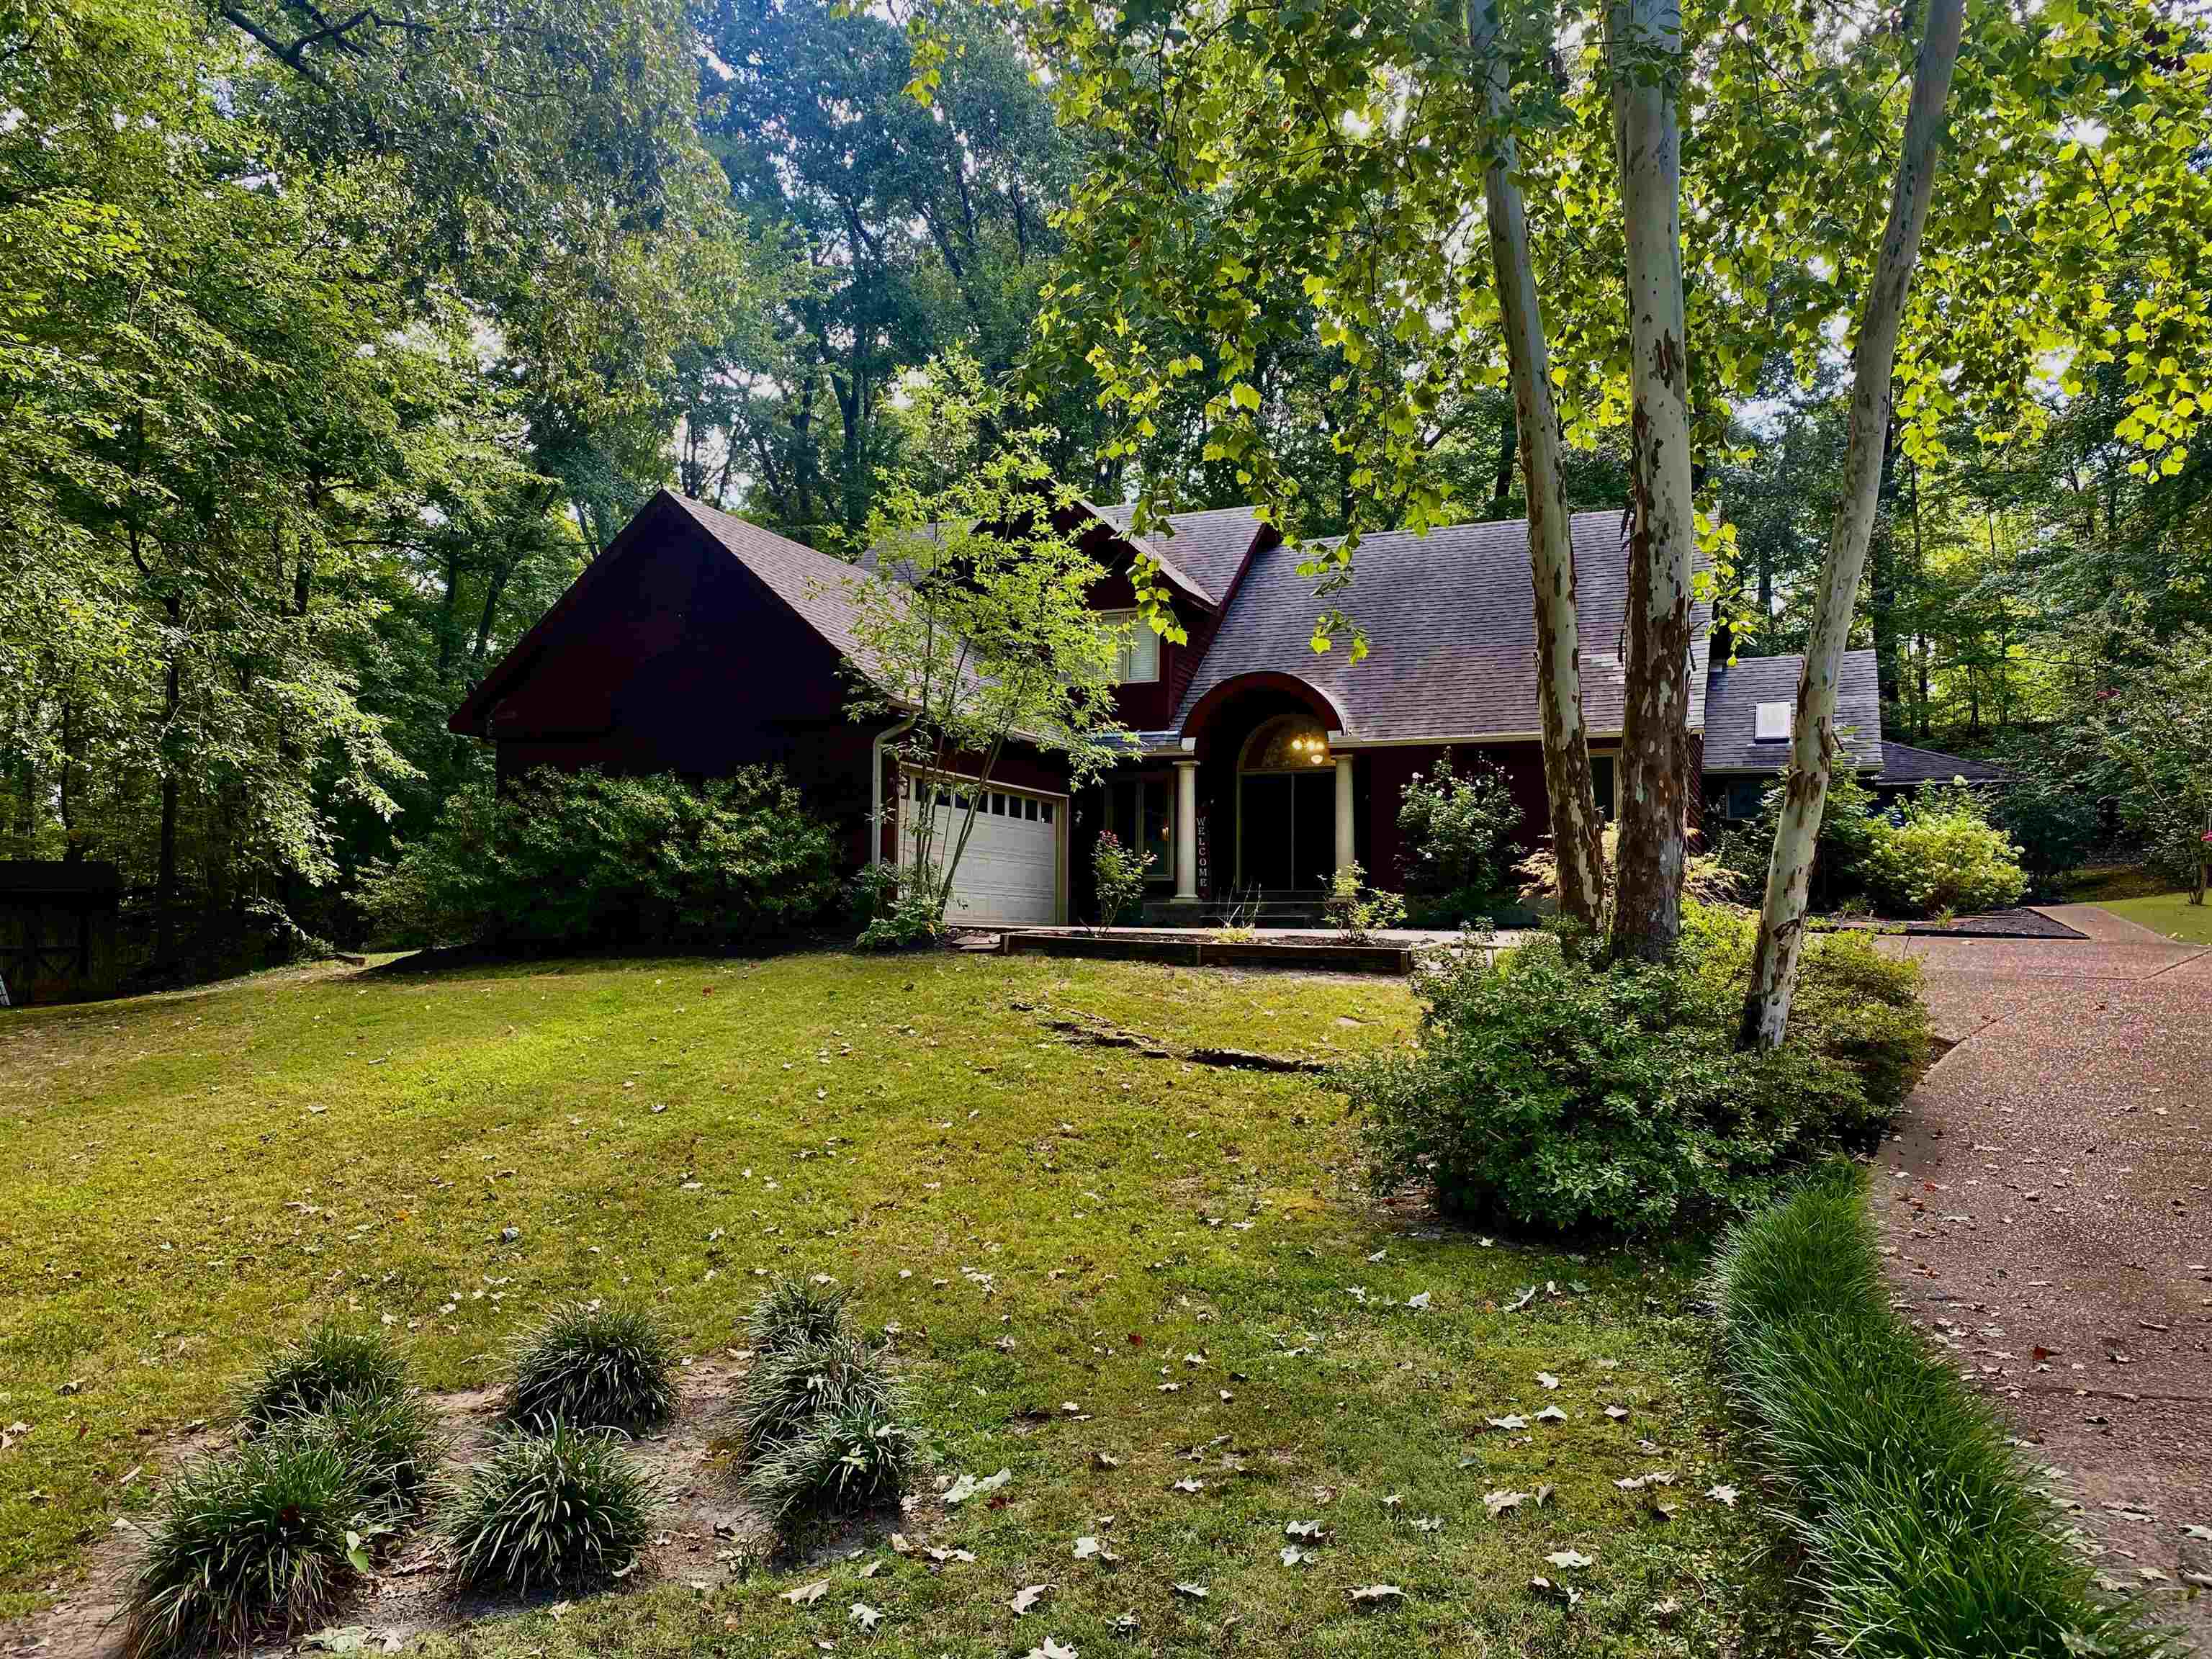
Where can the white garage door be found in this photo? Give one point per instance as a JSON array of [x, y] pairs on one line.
[[1010, 870]]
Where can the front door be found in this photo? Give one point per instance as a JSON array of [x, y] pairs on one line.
[[1286, 829], [1287, 807]]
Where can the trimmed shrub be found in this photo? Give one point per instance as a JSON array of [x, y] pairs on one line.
[[1920, 1535], [332, 1360], [1460, 850], [1943, 856], [559, 861], [794, 1314], [594, 1366], [1556, 1093], [561, 1510], [255, 1540]]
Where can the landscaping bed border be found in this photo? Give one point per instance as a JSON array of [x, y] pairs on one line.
[[1189, 950]]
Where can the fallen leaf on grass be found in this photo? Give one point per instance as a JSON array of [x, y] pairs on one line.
[[1565, 1558], [1498, 1501], [1567, 1593], [1025, 1598], [806, 1595], [968, 1486], [1727, 1495], [1545, 1380], [865, 1617], [1195, 1592], [1370, 1596], [1086, 1548], [1051, 1649]]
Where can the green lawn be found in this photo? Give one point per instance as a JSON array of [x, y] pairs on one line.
[[192, 1178], [2170, 914]]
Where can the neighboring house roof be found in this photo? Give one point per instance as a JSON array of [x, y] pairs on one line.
[[1735, 690], [1449, 617], [1206, 548], [1902, 763]]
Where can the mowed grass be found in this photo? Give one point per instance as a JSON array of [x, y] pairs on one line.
[[1180, 1252], [2168, 913]]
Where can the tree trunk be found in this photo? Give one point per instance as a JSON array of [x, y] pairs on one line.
[[1644, 44], [1813, 747], [164, 879], [1577, 837]]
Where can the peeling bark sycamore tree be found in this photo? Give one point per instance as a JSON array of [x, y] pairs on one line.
[[1813, 747], [975, 631], [1644, 54], [1577, 836]]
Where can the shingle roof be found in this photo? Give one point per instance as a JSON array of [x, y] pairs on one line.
[[1208, 548], [814, 584], [1449, 618], [1902, 763], [1734, 692]]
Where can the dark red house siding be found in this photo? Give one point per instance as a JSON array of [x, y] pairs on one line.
[[1151, 706], [682, 661], [1380, 776]]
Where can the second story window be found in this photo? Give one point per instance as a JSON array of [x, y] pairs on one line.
[[1138, 662]]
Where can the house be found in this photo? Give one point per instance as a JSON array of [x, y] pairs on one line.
[[698, 643]]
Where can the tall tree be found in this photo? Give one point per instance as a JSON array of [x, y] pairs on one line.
[[1577, 835], [918, 230], [1644, 56], [1814, 746]]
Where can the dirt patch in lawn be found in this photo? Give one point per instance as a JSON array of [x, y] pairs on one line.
[[708, 1534]]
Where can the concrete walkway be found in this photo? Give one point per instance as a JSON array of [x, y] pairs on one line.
[[2047, 1203]]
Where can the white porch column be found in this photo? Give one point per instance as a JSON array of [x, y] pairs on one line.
[[1186, 829], [1344, 837]]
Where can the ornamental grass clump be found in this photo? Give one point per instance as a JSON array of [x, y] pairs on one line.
[[334, 1360], [393, 1437], [259, 1540], [793, 1313], [1921, 1534], [594, 1366], [822, 1415], [558, 1509]]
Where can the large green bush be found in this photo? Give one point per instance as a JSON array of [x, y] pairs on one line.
[[1847, 828], [559, 861], [1944, 855], [1552, 1092], [1458, 832]]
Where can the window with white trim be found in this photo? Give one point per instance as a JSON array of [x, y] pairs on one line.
[[1138, 661]]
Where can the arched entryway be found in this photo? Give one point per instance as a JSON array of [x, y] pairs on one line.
[[1287, 817]]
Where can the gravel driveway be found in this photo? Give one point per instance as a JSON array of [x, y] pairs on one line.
[[2047, 1204]]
